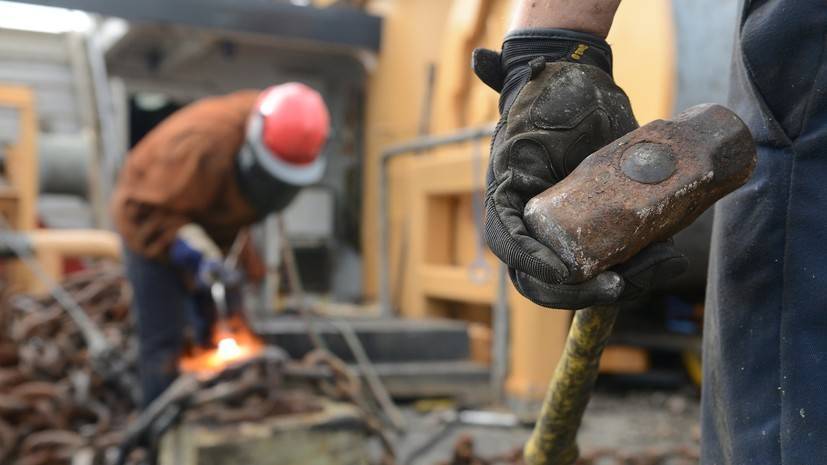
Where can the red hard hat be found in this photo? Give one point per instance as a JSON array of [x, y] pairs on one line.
[[295, 123]]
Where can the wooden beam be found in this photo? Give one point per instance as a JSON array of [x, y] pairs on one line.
[[452, 169], [53, 246], [21, 157], [453, 283]]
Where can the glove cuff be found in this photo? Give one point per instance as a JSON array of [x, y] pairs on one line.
[[184, 256], [523, 45], [523, 49]]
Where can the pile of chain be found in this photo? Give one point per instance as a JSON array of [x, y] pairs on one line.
[[246, 391], [57, 409], [464, 454], [52, 404]]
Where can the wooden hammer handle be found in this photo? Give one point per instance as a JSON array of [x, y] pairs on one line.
[[554, 439]]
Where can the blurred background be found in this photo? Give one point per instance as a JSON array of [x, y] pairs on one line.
[[386, 249]]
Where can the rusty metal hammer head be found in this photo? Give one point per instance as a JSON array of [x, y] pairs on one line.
[[641, 188]]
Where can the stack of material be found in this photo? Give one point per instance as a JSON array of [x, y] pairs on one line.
[[52, 404], [56, 408]]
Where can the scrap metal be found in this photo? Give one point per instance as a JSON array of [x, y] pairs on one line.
[[103, 356], [52, 402], [56, 409]]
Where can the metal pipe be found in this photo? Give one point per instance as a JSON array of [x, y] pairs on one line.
[[64, 162], [272, 260], [112, 158], [414, 146], [368, 370], [499, 344]]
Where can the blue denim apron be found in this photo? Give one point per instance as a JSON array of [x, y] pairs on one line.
[[764, 398]]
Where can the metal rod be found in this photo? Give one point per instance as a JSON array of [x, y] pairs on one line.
[[499, 345], [240, 241], [554, 439], [112, 157], [178, 392], [95, 340], [272, 260], [378, 389], [296, 286], [414, 146], [427, 101], [367, 370]]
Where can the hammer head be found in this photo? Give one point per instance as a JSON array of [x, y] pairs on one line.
[[644, 187]]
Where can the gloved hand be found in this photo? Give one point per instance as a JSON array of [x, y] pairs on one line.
[[204, 270], [210, 271], [558, 104]]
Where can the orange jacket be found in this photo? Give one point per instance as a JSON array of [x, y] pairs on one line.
[[183, 172]]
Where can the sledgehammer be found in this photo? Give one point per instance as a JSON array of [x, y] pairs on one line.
[[644, 187]]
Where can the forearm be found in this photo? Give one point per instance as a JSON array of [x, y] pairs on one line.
[[592, 16]]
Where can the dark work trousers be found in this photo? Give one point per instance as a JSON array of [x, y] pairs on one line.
[[161, 306], [764, 399]]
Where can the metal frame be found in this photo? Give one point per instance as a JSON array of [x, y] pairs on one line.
[[419, 144], [500, 323], [334, 25]]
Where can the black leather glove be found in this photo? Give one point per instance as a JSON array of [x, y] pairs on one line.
[[558, 104]]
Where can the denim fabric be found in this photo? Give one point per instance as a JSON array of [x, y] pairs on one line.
[[160, 304], [764, 399]]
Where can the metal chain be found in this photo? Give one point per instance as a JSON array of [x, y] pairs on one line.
[[59, 405], [94, 338]]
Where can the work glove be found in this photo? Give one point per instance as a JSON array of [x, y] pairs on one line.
[[211, 271], [203, 269], [558, 104]]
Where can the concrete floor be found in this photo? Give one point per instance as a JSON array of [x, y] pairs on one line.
[[630, 422]]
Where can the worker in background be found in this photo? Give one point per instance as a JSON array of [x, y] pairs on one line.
[[765, 348], [221, 163]]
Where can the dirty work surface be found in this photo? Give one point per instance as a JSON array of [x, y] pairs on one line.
[[58, 406], [630, 423]]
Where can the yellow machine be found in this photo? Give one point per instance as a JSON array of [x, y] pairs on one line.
[[436, 265]]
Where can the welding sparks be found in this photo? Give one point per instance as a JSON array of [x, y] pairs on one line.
[[228, 349], [234, 342]]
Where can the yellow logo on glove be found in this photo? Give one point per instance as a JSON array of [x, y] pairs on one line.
[[581, 49]]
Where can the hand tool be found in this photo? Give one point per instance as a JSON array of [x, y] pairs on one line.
[[644, 187], [219, 282], [218, 291]]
